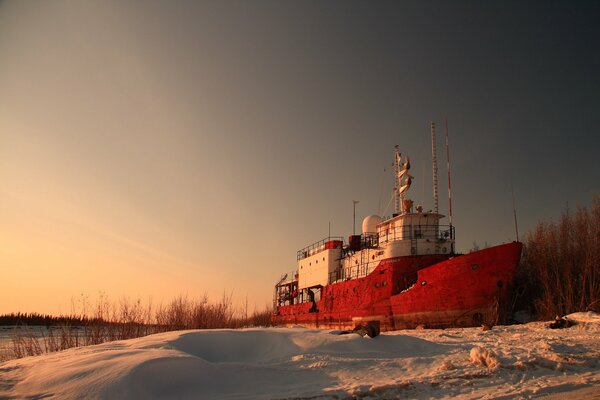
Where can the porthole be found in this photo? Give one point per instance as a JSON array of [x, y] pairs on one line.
[[423, 283], [474, 266], [376, 284], [323, 258], [373, 257], [384, 283], [317, 261]]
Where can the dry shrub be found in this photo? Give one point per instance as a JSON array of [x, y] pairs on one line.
[[185, 313], [261, 318], [126, 319], [560, 271]]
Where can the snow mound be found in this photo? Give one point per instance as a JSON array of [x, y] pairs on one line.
[[226, 346], [589, 317], [484, 357]]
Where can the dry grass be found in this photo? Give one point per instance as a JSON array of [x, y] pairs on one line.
[[126, 319]]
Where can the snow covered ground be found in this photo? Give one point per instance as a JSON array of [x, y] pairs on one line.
[[521, 361]]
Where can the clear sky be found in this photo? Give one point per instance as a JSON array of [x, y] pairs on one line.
[[149, 149]]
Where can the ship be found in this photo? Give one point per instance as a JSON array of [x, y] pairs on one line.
[[401, 272]]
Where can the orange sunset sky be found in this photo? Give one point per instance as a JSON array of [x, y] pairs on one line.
[[151, 149]]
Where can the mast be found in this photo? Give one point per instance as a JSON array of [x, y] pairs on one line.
[[354, 203], [448, 168], [514, 211], [434, 162], [397, 184]]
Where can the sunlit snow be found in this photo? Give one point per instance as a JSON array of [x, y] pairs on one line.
[[520, 361]]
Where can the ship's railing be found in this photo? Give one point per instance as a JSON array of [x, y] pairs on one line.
[[353, 272], [410, 232], [317, 247], [368, 240], [286, 289], [438, 234], [288, 293], [288, 278]]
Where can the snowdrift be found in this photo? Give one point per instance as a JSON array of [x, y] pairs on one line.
[[516, 361]]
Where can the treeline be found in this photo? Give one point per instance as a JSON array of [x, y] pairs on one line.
[[15, 319], [560, 267]]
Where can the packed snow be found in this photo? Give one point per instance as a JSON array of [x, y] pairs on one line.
[[519, 361]]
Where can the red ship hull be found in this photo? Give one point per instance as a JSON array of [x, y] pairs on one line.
[[432, 291]]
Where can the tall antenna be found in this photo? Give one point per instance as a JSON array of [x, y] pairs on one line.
[[448, 167], [354, 203], [397, 184], [434, 162], [514, 211], [379, 211]]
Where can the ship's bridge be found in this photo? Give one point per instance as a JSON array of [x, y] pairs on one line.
[[415, 234]]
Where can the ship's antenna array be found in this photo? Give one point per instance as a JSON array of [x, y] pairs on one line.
[[448, 167], [434, 162], [403, 180]]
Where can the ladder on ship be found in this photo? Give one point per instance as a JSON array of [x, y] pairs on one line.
[[413, 246]]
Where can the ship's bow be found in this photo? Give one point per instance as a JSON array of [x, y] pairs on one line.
[[467, 290]]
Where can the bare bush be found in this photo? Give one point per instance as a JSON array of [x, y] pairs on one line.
[[126, 319], [560, 272], [260, 318]]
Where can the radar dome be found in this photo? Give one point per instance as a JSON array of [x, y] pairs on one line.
[[369, 225]]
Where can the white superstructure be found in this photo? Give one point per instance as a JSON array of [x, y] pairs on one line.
[[406, 233], [315, 269]]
